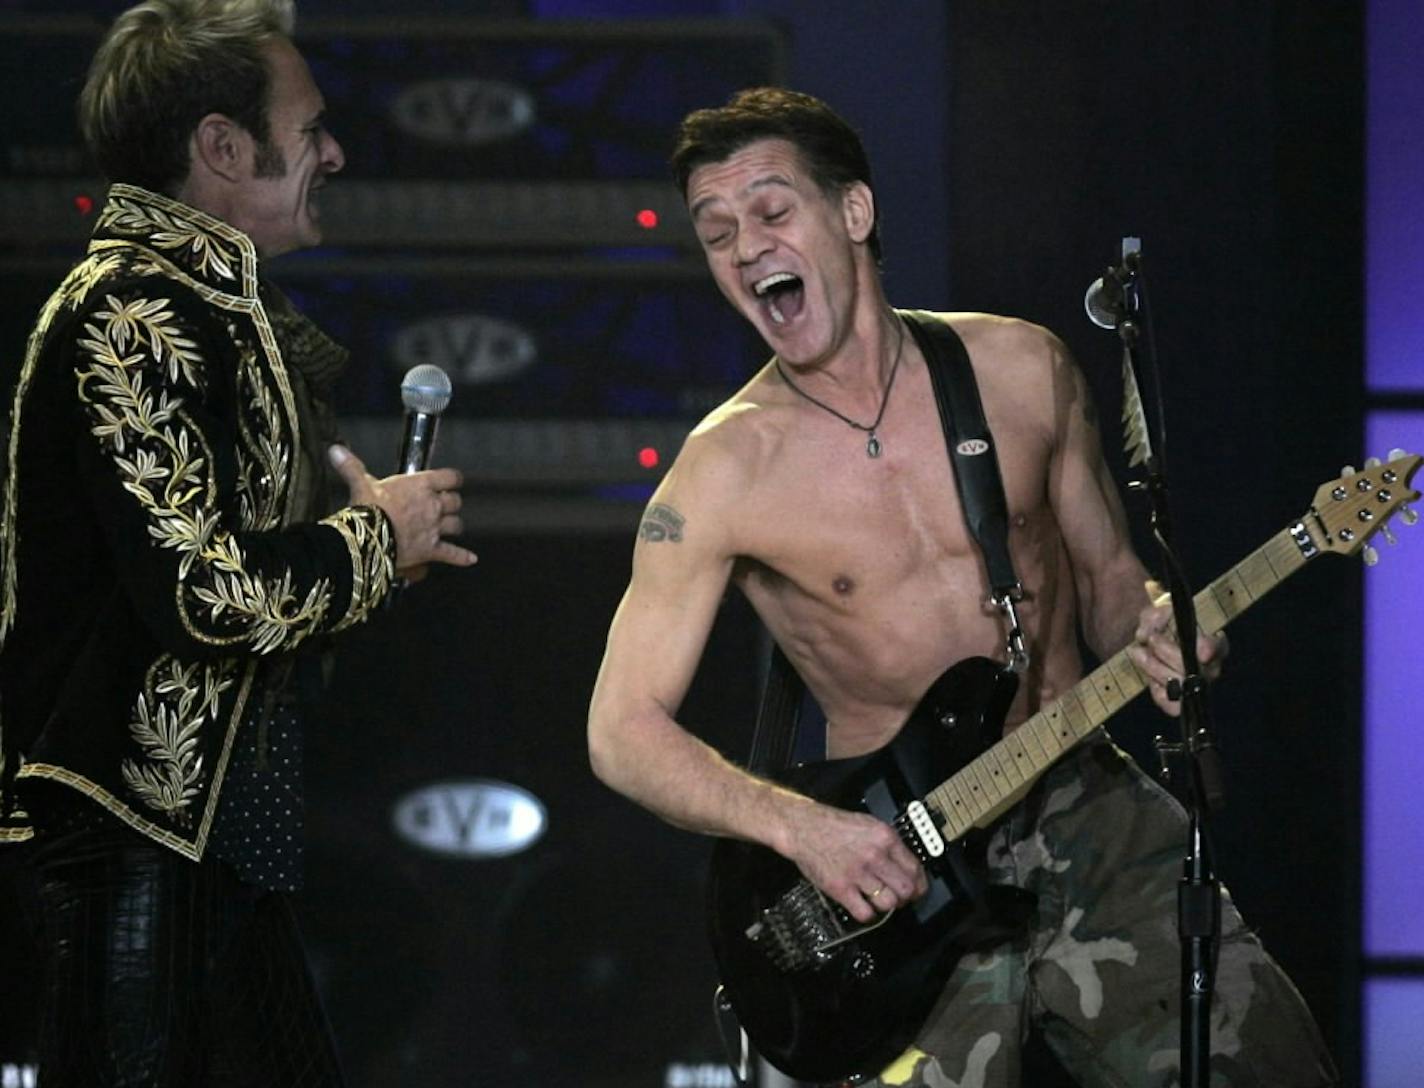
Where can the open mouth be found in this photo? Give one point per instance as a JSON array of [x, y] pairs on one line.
[[781, 295]]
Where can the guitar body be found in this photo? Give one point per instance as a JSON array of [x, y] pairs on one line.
[[852, 1009]]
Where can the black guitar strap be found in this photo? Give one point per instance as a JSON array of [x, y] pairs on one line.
[[782, 697], [975, 467], [971, 447]]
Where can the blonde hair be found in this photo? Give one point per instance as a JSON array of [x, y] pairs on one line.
[[166, 64]]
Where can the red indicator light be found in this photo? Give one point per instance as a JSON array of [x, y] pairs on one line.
[[647, 219], [83, 204], [648, 457]]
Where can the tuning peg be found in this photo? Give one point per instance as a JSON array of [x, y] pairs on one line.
[[1396, 453], [1408, 515], [1389, 536], [1369, 555], [1372, 462], [1348, 470]]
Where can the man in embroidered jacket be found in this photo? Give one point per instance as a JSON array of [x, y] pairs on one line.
[[820, 489], [165, 550]]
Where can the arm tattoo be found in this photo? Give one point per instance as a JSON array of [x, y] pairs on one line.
[[661, 523]]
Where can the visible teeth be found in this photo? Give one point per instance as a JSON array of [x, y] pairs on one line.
[[776, 314], [762, 286]]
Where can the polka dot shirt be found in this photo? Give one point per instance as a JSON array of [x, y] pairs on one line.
[[258, 826]]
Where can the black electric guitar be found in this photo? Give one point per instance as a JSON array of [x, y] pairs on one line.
[[826, 998]]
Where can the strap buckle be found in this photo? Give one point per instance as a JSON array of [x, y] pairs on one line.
[[1017, 648]]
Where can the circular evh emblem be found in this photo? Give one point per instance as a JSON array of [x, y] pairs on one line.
[[473, 818], [474, 348], [972, 447], [463, 112]]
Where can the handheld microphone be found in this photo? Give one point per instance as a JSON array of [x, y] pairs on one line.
[[425, 392]]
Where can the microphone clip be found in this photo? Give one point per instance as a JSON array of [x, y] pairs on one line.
[[1111, 299]]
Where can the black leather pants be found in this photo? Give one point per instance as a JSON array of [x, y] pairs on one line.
[[163, 973]]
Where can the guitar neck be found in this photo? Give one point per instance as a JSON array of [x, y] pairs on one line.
[[987, 786]]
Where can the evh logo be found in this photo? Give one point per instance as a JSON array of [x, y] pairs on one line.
[[474, 348], [476, 818], [972, 447], [463, 112]]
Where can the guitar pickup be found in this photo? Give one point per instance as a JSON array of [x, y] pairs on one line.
[[918, 821]]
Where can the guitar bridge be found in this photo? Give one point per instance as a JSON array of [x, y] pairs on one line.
[[800, 930]]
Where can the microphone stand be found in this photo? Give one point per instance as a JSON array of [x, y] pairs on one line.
[[1198, 892]]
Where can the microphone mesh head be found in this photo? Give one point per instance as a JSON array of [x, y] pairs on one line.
[[425, 388], [1098, 306]]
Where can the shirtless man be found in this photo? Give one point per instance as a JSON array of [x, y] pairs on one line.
[[820, 490]]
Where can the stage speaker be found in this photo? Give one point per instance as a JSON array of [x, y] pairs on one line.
[[460, 133], [481, 910]]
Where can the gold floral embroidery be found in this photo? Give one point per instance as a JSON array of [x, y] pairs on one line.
[[165, 464], [151, 321], [203, 250], [267, 458], [368, 537], [274, 619], [83, 279], [167, 720]]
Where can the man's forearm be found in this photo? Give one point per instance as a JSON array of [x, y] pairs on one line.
[[691, 785], [1111, 612]]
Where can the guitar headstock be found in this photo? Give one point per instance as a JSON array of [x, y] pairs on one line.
[[1349, 510]]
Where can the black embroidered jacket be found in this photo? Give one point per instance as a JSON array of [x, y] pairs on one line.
[[150, 550]]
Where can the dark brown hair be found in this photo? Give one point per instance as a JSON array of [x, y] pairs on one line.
[[832, 150]]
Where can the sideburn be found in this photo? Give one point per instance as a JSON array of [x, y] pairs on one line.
[[269, 161]]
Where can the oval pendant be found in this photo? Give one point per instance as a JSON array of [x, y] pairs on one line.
[[872, 446]]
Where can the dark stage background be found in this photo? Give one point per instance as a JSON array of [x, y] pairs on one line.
[[490, 227]]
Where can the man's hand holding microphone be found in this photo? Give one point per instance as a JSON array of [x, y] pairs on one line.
[[423, 504]]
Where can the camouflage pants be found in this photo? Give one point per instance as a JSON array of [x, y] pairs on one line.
[[1098, 974]]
